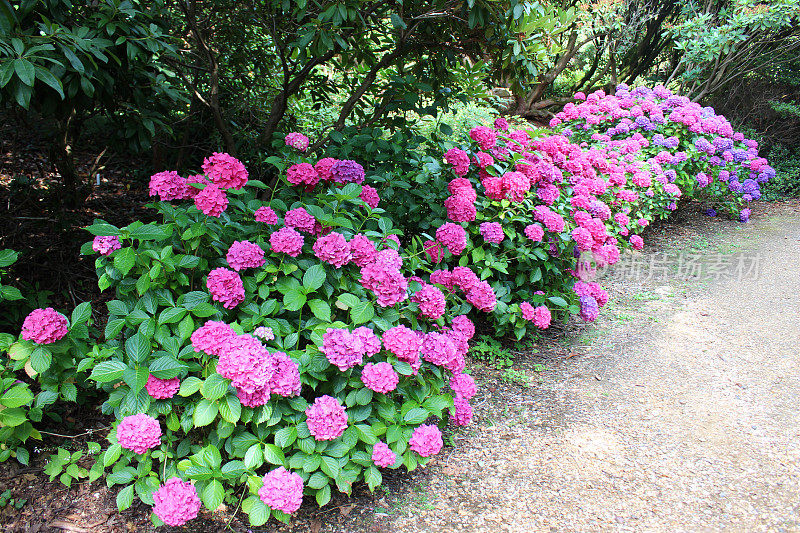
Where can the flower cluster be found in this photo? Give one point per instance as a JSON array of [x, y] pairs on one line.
[[298, 141], [426, 440], [44, 326], [382, 455], [161, 389], [282, 490], [244, 254], [106, 245], [380, 377], [225, 171], [326, 418], [139, 433], [176, 502], [226, 287]]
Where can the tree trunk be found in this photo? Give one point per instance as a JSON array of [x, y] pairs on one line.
[[61, 156]]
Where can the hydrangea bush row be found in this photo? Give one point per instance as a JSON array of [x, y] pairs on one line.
[[292, 348]]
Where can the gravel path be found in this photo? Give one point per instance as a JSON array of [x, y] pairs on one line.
[[675, 412]]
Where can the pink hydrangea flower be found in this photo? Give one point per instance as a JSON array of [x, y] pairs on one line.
[[161, 389], [168, 185], [460, 209], [437, 348], [637, 242], [254, 399], [389, 258], [334, 249], [403, 342], [492, 232], [382, 455], [442, 277], [300, 219], [211, 337], [370, 343], [393, 238], [267, 215], [264, 333], [463, 326], [282, 490], [288, 241], [298, 141], [482, 296], [485, 137], [380, 377], [326, 418], [453, 237], [285, 381], [225, 171], [212, 201], [464, 278], [343, 349], [244, 254], [302, 174], [139, 433], [463, 385], [106, 245], [431, 301], [515, 184], [347, 171], [388, 283], [459, 160], [44, 326], [363, 250], [176, 502], [462, 187], [246, 362], [426, 440], [433, 250], [226, 287], [323, 168], [370, 196], [462, 414]]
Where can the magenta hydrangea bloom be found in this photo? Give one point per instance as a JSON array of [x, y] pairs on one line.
[[380, 377], [106, 245], [637, 242], [298, 141], [254, 399], [484, 136], [463, 385], [288, 241], [431, 301], [482, 296], [139, 433], [211, 337], [370, 196], [363, 250], [453, 237], [302, 174], [333, 248], [347, 171], [462, 414], [267, 215], [282, 490], [492, 232], [286, 379], [403, 342], [212, 201], [323, 168], [342, 348], [437, 348], [460, 209], [459, 160], [168, 185], [426, 440], [44, 326], [245, 254], [463, 326], [225, 171], [246, 362], [370, 343], [226, 287], [382, 455], [264, 333], [326, 418], [388, 283], [542, 317], [176, 502], [161, 389], [300, 219]]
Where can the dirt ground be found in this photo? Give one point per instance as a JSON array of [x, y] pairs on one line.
[[674, 411]]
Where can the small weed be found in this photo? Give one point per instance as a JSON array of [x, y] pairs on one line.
[[645, 296], [6, 499], [490, 350], [516, 377], [625, 316], [539, 367]]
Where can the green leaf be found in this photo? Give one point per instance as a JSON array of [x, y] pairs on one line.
[[8, 257], [215, 387], [125, 498], [12, 417], [397, 22], [324, 495], [294, 300], [257, 512], [320, 309], [286, 436], [416, 415], [558, 300], [373, 477], [204, 413], [81, 314], [124, 260], [230, 408], [330, 466], [212, 495], [17, 396], [167, 367], [47, 77], [274, 455], [112, 454], [365, 434], [170, 315], [190, 385], [138, 347], [362, 312], [41, 359], [25, 71], [314, 278]]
